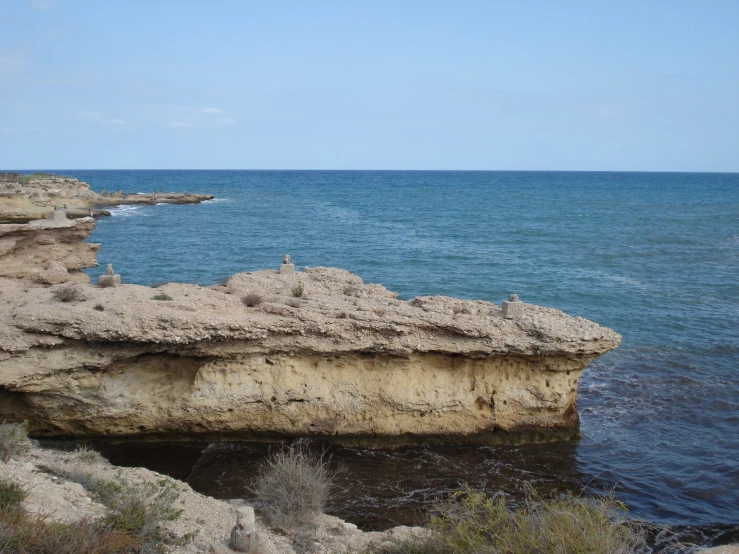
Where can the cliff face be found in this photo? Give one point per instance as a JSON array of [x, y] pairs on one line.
[[346, 360], [47, 251]]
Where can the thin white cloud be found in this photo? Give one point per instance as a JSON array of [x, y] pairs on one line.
[[97, 117], [216, 111], [227, 120], [44, 5]]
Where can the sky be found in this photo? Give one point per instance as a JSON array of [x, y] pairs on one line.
[[179, 84]]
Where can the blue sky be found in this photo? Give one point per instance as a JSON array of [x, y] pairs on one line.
[[645, 85]]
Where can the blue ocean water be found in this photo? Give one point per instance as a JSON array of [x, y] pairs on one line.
[[655, 256]]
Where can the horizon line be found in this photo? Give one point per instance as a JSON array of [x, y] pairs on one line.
[[385, 170]]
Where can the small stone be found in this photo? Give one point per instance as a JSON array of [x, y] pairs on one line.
[[348, 526], [28, 466]]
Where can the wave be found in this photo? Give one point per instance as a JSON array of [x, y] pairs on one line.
[[126, 211]]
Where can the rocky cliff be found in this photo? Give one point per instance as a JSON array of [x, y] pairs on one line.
[[47, 251], [345, 360]]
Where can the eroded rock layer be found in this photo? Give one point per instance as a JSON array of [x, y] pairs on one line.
[[47, 251], [250, 358]]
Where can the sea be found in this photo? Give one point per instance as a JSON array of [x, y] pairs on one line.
[[654, 256]]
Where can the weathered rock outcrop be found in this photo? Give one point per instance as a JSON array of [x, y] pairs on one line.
[[47, 251], [346, 360], [24, 199]]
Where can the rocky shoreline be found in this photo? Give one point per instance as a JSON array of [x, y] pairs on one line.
[[33, 197]]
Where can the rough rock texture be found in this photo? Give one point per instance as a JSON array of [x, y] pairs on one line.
[[47, 251], [36, 196], [346, 360], [205, 519]]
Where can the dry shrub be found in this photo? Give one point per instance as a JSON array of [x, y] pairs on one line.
[[472, 521], [252, 300], [293, 302], [292, 486], [99, 307], [162, 296], [69, 293], [88, 455], [14, 440], [297, 290]]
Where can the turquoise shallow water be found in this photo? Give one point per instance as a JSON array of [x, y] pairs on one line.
[[653, 255]]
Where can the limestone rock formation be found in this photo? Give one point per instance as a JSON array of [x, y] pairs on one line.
[[347, 360], [47, 251]]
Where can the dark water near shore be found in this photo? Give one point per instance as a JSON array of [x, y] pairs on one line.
[[653, 255]]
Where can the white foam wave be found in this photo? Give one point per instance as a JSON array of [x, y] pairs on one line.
[[124, 211], [216, 201]]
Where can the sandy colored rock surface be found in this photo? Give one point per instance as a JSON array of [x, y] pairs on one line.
[[210, 520], [47, 251], [347, 360]]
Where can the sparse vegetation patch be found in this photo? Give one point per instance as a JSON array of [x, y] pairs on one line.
[[14, 440], [293, 485], [161, 296], [69, 293], [88, 455], [252, 300], [473, 522], [297, 290]]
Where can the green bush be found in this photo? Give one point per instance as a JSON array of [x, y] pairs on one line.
[[297, 290], [14, 440], [292, 486], [139, 507], [161, 296]]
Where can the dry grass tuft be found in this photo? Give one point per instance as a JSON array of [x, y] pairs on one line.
[[162, 296], [297, 290], [252, 300], [69, 293], [293, 485]]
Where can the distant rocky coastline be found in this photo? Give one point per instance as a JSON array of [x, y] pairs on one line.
[[25, 198]]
